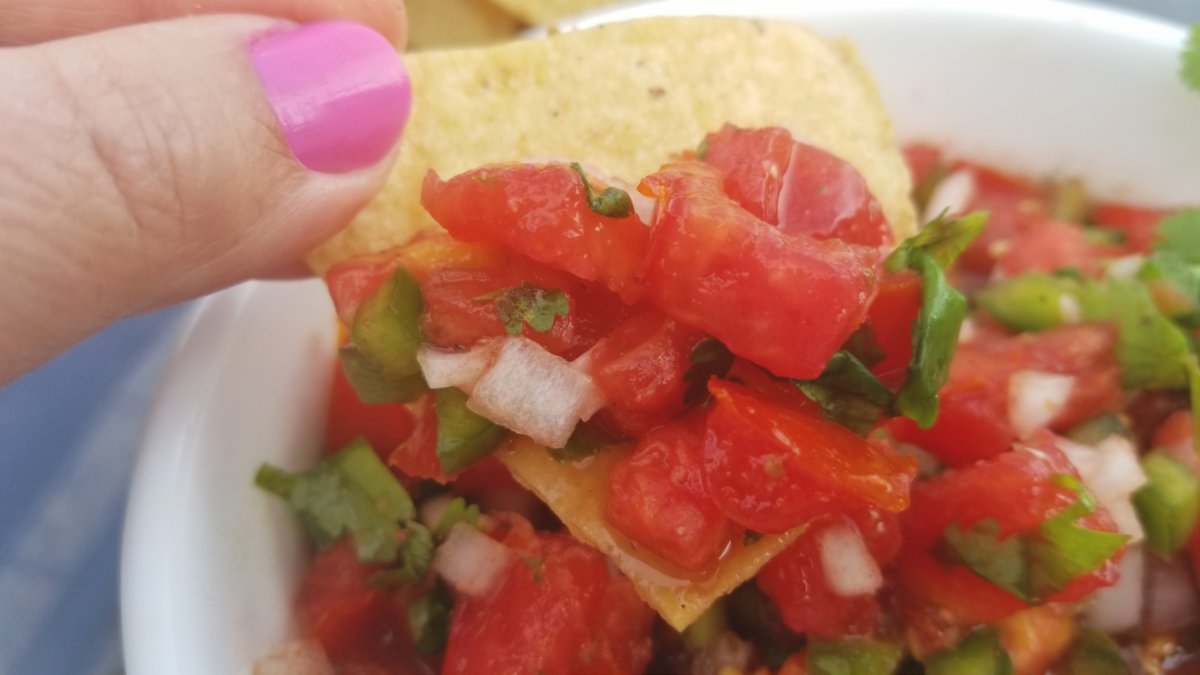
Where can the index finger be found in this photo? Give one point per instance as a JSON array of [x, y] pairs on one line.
[[23, 22]]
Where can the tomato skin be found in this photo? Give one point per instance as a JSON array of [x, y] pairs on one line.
[[541, 212], [922, 160], [640, 368], [795, 579], [347, 418], [657, 497], [1139, 225], [798, 187], [974, 401], [1017, 489], [417, 455], [1175, 435], [459, 313], [890, 318], [570, 616], [770, 467], [785, 302]]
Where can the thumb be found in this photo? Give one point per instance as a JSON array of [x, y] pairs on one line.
[[155, 163]]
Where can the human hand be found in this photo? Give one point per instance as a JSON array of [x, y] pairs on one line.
[[148, 163]]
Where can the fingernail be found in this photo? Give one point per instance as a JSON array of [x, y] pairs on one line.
[[340, 91]]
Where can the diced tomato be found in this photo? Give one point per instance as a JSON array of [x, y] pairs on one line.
[[559, 611], [417, 456], [640, 368], [347, 418], [922, 159], [753, 163], [1014, 206], [795, 579], [1018, 491], [351, 282], [798, 187], [1036, 638], [785, 302], [890, 319], [361, 628], [490, 485], [1048, 245], [1138, 224], [460, 308], [657, 498], [973, 421], [781, 391], [541, 212], [772, 467], [1176, 435]]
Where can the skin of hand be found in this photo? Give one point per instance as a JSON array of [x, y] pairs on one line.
[[158, 150]]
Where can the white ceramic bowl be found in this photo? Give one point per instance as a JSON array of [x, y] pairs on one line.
[[210, 563]]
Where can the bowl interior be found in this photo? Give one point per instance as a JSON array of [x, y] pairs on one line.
[[210, 563]]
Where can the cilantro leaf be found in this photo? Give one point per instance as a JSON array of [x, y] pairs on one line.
[[416, 555], [1179, 233], [457, 512], [429, 620], [1189, 60], [848, 393], [613, 202], [1034, 565], [710, 358], [942, 238], [350, 493], [935, 338], [528, 305], [587, 440]]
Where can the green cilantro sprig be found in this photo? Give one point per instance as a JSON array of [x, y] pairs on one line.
[[528, 305], [1034, 565], [613, 202]]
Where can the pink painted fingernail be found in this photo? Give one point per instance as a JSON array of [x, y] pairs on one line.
[[339, 89]]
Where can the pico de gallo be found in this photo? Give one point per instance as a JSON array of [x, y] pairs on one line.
[[977, 442]]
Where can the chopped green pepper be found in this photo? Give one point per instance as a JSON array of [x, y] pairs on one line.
[[386, 330], [1095, 653], [1168, 504], [1031, 302], [463, 437], [852, 656], [979, 654], [373, 385]]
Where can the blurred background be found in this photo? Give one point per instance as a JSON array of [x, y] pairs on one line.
[[69, 432]]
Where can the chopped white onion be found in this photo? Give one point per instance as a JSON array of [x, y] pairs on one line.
[[967, 331], [533, 392], [1171, 602], [725, 653], [1125, 267], [471, 562], [1070, 309], [448, 368], [1035, 398], [952, 195], [849, 568], [432, 510], [927, 464], [1112, 473], [295, 658], [1118, 608]]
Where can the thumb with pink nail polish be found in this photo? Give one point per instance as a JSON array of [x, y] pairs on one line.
[[176, 158]]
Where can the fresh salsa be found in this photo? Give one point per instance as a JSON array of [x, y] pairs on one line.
[[970, 451]]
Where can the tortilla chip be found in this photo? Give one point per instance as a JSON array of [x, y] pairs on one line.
[[543, 12], [623, 98], [437, 24], [577, 494]]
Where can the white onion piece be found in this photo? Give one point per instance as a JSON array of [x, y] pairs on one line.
[[1112, 473], [533, 392], [849, 568], [1117, 609], [432, 510], [295, 658], [1171, 602], [727, 652], [1125, 267], [953, 195], [927, 464], [1035, 398], [1070, 309], [967, 331], [448, 368], [471, 562]]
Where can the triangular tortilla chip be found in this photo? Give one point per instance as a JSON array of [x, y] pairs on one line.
[[542, 12], [623, 98], [577, 494]]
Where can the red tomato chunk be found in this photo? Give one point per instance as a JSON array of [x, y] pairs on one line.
[[558, 611], [657, 497], [785, 302], [771, 467]]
